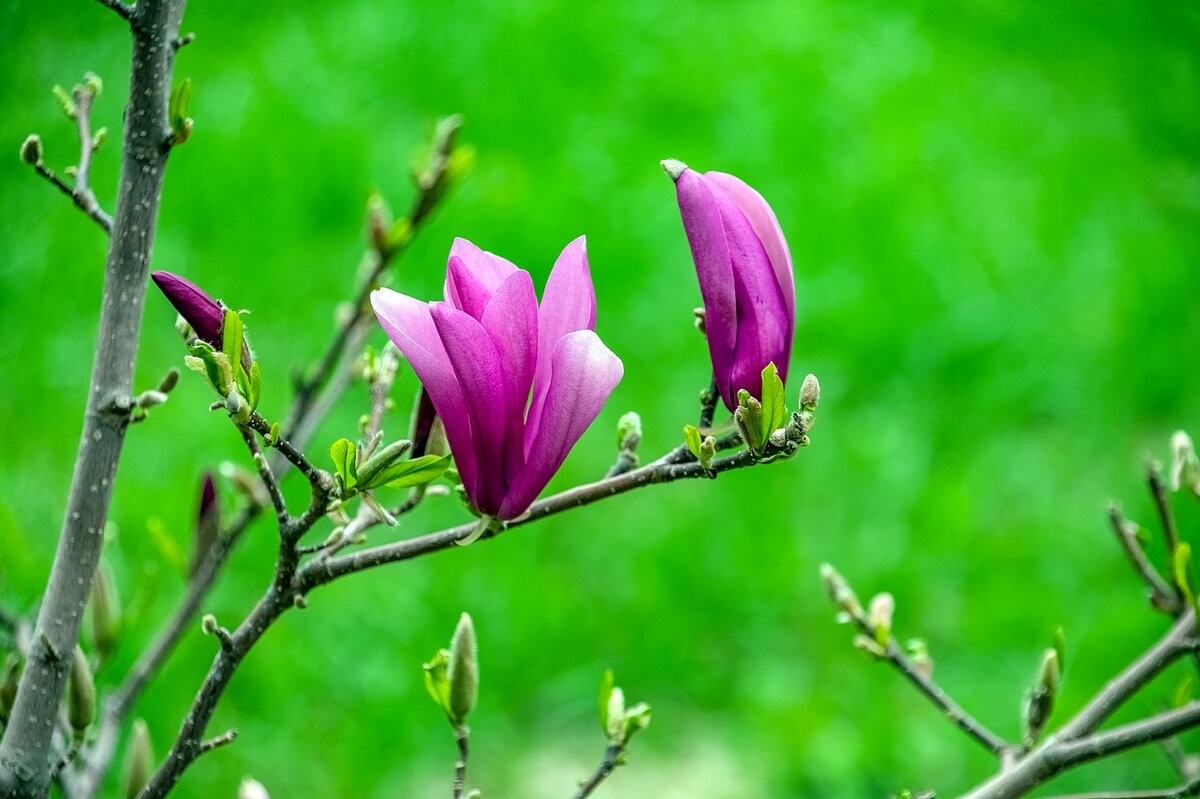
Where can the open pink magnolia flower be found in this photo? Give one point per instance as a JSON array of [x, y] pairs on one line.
[[480, 353], [745, 273]]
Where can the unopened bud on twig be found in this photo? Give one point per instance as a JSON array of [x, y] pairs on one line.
[[139, 760], [105, 609], [629, 431], [31, 150], [748, 416], [880, 614], [252, 789], [1185, 466], [840, 591], [463, 671], [379, 223], [810, 393], [81, 694], [1041, 699], [8, 686]]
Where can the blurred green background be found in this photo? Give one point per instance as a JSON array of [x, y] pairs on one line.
[[993, 209]]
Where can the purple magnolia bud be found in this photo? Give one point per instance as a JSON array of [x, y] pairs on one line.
[[202, 312], [514, 382], [745, 273], [208, 523]]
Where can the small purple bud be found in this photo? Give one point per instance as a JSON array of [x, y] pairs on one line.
[[208, 523], [202, 312]]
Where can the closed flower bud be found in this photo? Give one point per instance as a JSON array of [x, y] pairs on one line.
[[252, 789], [105, 610], [810, 393], [1185, 467], [840, 591], [81, 694], [880, 614], [1041, 699], [629, 431], [745, 275], [8, 686], [139, 760], [202, 312], [463, 670], [31, 150]]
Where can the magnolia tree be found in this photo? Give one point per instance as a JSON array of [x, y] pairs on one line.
[[509, 383]]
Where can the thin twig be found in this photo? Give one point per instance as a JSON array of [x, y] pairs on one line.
[[461, 736], [224, 739], [265, 474], [1162, 596], [122, 10], [901, 662], [1162, 503], [94, 212], [611, 755], [1177, 642]]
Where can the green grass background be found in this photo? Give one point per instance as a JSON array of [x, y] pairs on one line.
[[994, 210]]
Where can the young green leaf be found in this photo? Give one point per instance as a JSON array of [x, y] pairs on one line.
[[255, 385], [606, 689], [415, 472], [693, 438], [177, 111], [343, 454], [774, 404], [369, 470], [1181, 568]]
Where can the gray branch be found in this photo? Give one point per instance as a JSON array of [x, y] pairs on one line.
[[25, 748]]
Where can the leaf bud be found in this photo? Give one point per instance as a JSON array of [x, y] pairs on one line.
[[99, 138], [31, 149], [870, 646], [1185, 467], [708, 450], [209, 624], [1041, 699], [463, 670], [379, 223], [748, 416], [81, 694], [629, 431], [92, 83], [252, 789], [105, 613], [880, 614], [8, 686], [840, 591], [139, 760], [615, 716]]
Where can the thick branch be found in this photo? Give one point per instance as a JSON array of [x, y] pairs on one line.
[[1179, 641], [25, 749], [1191, 788]]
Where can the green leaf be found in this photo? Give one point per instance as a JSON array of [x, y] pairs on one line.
[[637, 718], [1183, 692], [181, 99], [231, 338], [255, 385], [606, 689], [774, 404], [692, 436], [436, 680], [369, 470], [214, 364], [65, 101], [415, 472], [343, 453], [1181, 567], [1060, 648]]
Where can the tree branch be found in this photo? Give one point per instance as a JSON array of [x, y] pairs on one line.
[[1162, 595], [1162, 503], [611, 755], [1191, 788], [461, 737], [25, 748], [122, 10]]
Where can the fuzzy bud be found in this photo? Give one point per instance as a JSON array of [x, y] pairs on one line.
[[810, 393], [252, 789], [105, 610], [81, 694], [840, 591], [1041, 699], [463, 670], [139, 760], [880, 614], [31, 150]]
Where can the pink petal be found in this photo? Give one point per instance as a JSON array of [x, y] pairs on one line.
[[409, 324], [766, 227], [476, 364], [764, 326], [714, 268], [511, 320], [568, 304], [583, 373], [488, 270]]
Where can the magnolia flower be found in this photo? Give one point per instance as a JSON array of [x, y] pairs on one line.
[[745, 273], [202, 312], [205, 315], [480, 353]]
